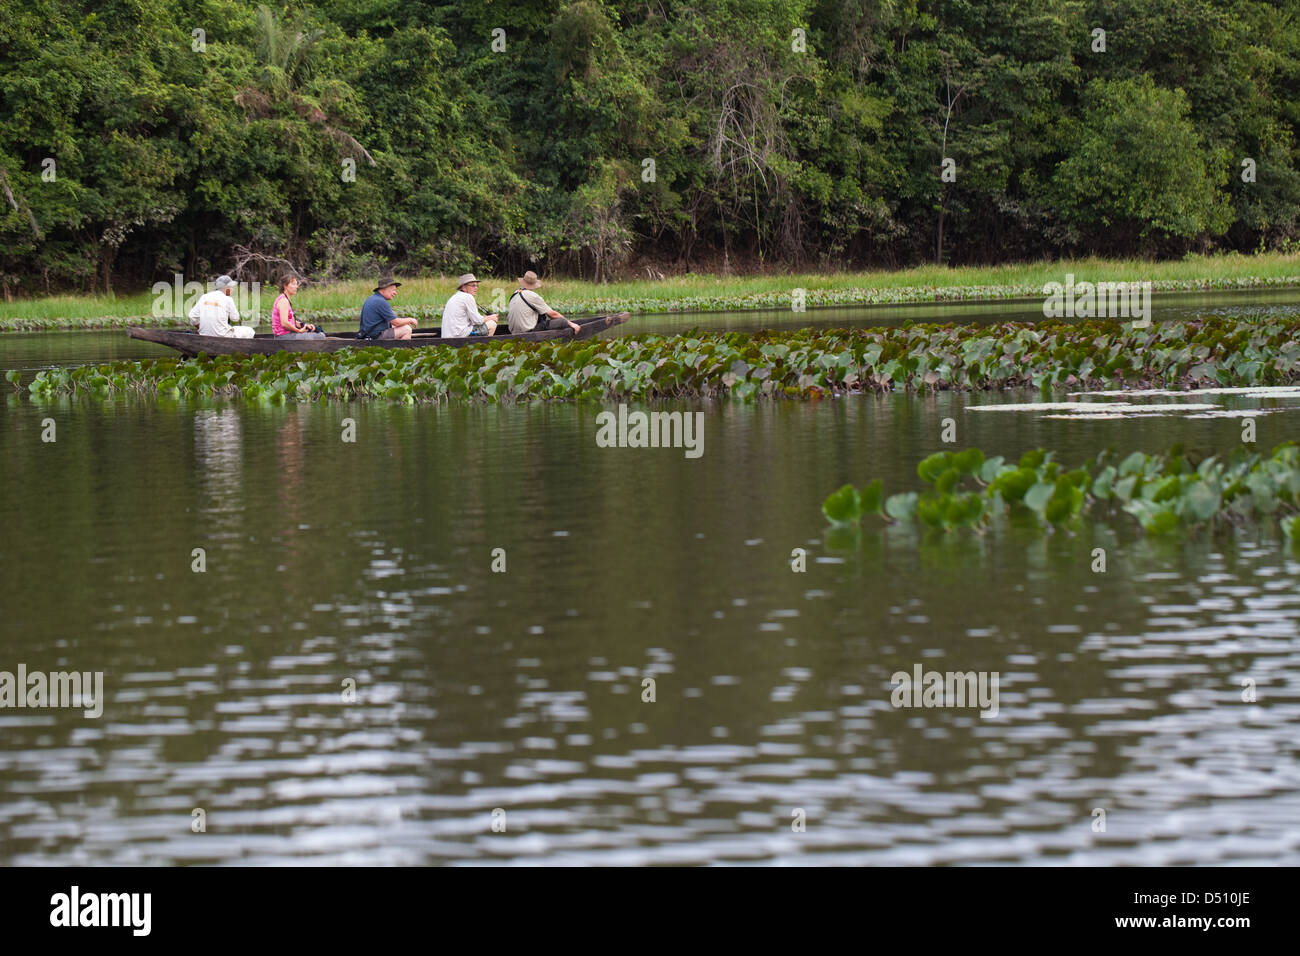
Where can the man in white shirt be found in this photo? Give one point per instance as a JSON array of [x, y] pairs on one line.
[[529, 311], [215, 310], [460, 315]]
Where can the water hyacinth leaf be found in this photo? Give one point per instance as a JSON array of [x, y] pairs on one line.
[[1101, 486], [1065, 502], [1079, 477], [990, 469], [934, 465], [1013, 484], [1201, 502], [1261, 490], [902, 506], [932, 509], [1134, 464], [1036, 498], [968, 461], [872, 498], [1164, 490], [1154, 519], [843, 507], [965, 509], [1033, 459]]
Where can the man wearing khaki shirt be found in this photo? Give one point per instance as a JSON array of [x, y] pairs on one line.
[[529, 311]]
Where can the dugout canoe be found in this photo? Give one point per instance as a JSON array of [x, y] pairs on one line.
[[193, 344]]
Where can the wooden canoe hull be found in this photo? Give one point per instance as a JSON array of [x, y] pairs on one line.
[[192, 344]]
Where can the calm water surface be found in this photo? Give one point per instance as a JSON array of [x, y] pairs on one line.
[[329, 562]]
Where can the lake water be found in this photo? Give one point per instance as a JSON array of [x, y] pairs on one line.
[[516, 698]]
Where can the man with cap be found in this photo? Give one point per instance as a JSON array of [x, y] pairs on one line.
[[215, 310], [529, 311], [460, 316], [378, 320]]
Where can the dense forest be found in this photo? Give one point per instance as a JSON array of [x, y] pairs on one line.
[[144, 137]]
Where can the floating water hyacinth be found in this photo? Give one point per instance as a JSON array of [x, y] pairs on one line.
[[802, 363], [1162, 492]]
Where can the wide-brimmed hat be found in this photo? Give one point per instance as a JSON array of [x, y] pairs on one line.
[[385, 281], [529, 280], [223, 283], [465, 280]]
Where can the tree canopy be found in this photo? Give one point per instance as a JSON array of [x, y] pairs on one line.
[[591, 137]]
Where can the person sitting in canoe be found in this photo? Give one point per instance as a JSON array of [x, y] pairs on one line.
[[215, 310], [529, 311], [378, 321], [282, 321], [460, 315]]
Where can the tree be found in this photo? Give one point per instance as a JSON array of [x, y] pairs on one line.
[[1137, 169]]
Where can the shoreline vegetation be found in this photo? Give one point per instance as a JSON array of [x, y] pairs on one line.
[[338, 303], [1216, 351]]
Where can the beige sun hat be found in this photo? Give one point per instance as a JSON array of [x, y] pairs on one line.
[[529, 280], [465, 280]]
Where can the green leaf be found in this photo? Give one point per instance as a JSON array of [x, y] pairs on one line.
[[1162, 491], [843, 507], [1036, 498], [1013, 485], [1101, 487], [968, 462], [933, 509], [989, 470], [935, 465], [1134, 464], [1200, 502], [872, 498], [965, 509], [1065, 503], [1261, 489], [1124, 487], [1154, 520]]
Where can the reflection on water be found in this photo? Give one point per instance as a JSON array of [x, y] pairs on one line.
[[368, 564], [218, 450]]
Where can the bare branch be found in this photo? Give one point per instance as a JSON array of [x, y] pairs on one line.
[[31, 216]]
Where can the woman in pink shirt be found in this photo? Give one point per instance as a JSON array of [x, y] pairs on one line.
[[282, 320]]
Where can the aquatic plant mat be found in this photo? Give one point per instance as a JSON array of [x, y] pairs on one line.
[[1163, 493], [801, 363]]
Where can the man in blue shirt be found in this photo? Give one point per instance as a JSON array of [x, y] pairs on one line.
[[377, 318]]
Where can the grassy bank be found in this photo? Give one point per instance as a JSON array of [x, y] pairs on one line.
[[801, 363], [424, 298]]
